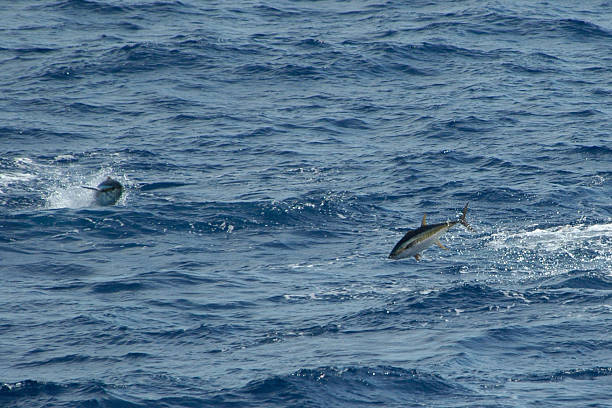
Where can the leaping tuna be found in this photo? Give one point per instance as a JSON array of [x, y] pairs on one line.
[[417, 240], [108, 192]]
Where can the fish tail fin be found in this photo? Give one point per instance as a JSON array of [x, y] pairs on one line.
[[463, 221]]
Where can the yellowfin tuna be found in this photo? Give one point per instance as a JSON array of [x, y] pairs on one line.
[[417, 240]]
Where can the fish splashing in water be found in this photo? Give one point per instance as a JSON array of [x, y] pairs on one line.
[[108, 192]]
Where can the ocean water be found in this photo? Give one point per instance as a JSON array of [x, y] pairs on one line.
[[273, 153]]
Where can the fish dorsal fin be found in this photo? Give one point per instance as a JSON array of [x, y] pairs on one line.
[[424, 222]]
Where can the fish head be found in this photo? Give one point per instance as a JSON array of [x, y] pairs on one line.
[[403, 248], [108, 192], [109, 184]]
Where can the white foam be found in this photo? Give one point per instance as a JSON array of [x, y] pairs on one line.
[[14, 177], [23, 161], [554, 238], [69, 197], [556, 249], [64, 157]]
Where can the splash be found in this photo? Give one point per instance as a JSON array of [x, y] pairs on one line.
[[52, 184], [68, 196], [557, 249], [68, 193]]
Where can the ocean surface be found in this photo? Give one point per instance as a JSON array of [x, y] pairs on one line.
[[273, 153]]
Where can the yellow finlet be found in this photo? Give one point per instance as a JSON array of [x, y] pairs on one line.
[[440, 245], [417, 257], [423, 222]]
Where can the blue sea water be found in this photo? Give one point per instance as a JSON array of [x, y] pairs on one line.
[[273, 153]]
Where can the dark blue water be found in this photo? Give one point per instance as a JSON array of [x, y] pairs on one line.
[[273, 153]]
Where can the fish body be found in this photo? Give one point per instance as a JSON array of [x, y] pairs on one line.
[[417, 240], [108, 192]]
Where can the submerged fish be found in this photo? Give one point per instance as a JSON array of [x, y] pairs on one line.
[[108, 192], [417, 240]]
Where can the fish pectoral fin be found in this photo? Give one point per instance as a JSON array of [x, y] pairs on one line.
[[440, 245], [417, 257], [424, 220], [90, 188]]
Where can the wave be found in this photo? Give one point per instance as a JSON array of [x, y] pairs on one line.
[[348, 123], [279, 70], [570, 374], [139, 57], [594, 151], [400, 308], [70, 219], [352, 386], [32, 394], [64, 360], [110, 8], [572, 29], [162, 185], [38, 135], [425, 51], [326, 386], [100, 7], [14, 392], [579, 279], [115, 286], [198, 54], [413, 309], [581, 29]]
